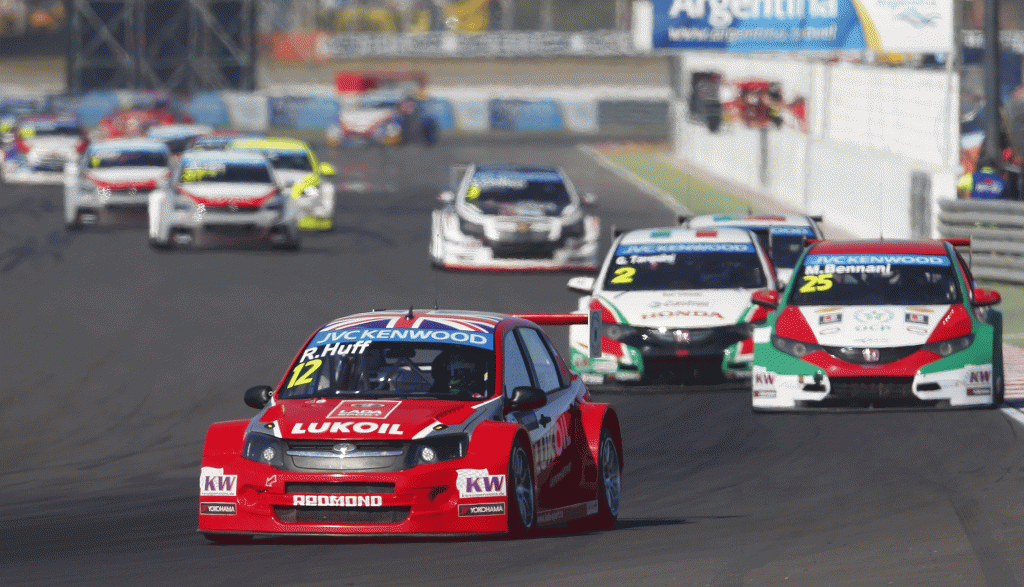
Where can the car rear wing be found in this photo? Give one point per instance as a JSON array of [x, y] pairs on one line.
[[592, 319]]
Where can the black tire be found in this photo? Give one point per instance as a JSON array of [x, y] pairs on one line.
[[998, 391], [159, 246], [291, 245], [229, 538], [522, 495], [609, 487]]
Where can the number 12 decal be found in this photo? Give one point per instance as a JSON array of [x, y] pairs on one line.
[[306, 377], [816, 283]]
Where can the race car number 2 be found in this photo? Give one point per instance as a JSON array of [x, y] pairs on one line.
[[303, 372], [624, 275], [814, 283]]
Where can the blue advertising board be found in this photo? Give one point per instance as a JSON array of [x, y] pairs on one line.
[[803, 25]]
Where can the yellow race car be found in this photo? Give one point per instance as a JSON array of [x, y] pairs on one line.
[[297, 169]]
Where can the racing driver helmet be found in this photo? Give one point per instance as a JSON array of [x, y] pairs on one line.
[[458, 373]]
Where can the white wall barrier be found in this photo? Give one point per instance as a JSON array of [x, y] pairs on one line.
[[866, 131]]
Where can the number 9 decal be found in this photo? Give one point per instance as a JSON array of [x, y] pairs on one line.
[[624, 275], [816, 283]]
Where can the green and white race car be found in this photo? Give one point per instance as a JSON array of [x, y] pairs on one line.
[[676, 307], [879, 324]]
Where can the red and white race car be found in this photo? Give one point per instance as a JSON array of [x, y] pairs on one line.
[[426, 422], [136, 120]]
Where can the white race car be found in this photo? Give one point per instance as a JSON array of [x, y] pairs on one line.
[[514, 218], [676, 307], [42, 146], [217, 196], [782, 235], [115, 176]]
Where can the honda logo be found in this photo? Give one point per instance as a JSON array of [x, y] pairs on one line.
[[681, 336], [871, 355]]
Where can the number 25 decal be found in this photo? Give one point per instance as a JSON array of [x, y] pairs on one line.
[[306, 377], [816, 283], [624, 275]]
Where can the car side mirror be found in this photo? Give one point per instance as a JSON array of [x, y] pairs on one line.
[[581, 285], [528, 398], [986, 297], [766, 298], [327, 169], [258, 397], [446, 197], [588, 199]]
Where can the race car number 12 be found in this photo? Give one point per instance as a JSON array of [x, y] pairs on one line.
[[816, 283], [307, 376]]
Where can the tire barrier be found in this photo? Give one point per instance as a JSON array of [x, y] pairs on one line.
[[628, 112], [996, 230]]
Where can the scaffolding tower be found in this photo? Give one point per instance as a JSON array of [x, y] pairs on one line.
[[168, 45]]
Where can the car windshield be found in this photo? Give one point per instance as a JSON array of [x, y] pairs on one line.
[[288, 160], [115, 158], [518, 194], [225, 171], [49, 129], [647, 267], [332, 367], [875, 279]]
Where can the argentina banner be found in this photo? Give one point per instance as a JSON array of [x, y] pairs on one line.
[[888, 26]]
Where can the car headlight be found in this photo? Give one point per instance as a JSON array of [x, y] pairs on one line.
[[619, 331], [440, 449], [275, 202], [264, 449], [471, 228], [796, 348], [949, 346], [574, 230]]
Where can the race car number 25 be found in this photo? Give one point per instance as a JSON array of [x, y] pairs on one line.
[[814, 283]]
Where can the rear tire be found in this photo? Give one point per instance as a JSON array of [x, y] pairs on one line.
[[522, 497], [609, 487]]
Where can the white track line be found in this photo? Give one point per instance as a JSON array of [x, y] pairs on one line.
[[654, 191]]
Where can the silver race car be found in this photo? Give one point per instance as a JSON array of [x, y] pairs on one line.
[[114, 177], [222, 196], [513, 217]]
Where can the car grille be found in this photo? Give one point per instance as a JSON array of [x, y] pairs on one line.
[[885, 355], [346, 488], [126, 208], [233, 230], [330, 515], [545, 250], [319, 455], [233, 209], [898, 388]]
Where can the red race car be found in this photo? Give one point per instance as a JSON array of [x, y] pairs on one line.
[[136, 119], [426, 422]]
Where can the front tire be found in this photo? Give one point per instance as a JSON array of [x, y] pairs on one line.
[[522, 499]]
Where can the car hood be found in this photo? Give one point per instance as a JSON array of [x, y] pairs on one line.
[[364, 418], [877, 326], [219, 194], [362, 119], [681, 308], [114, 177]]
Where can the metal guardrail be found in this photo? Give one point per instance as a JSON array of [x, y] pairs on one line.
[[996, 230], [490, 44]]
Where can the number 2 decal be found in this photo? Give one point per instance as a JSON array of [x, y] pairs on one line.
[[816, 283], [306, 377], [624, 275]]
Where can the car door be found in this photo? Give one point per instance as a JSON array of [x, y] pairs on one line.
[[549, 426]]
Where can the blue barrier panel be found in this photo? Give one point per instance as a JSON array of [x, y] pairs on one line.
[[318, 113], [61, 103], [525, 115], [284, 110], [441, 111], [95, 105], [209, 108]]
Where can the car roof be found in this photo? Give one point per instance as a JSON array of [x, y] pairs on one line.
[[687, 235], [129, 143], [421, 319], [878, 246], [223, 156], [742, 219], [278, 143], [514, 168], [166, 130]]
